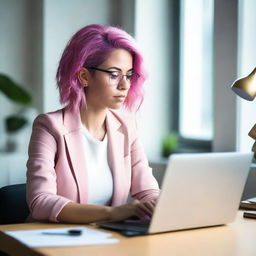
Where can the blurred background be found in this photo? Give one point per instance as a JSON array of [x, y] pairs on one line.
[[193, 49]]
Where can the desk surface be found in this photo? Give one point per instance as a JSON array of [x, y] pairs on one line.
[[234, 239]]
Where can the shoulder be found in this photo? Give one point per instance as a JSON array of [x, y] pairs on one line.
[[125, 123], [50, 117], [49, 121], [124, 118]]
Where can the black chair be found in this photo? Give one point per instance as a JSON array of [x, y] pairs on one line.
[[13, 205]]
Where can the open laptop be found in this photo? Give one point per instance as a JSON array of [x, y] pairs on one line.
[[198, 190]]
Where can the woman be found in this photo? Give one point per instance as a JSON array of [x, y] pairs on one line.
[[86, 158]]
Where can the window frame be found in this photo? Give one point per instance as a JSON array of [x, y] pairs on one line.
[[186, 144]]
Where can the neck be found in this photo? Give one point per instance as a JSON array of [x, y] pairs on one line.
[[94, 120]]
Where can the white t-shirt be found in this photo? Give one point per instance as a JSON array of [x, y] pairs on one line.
[[100, 180]]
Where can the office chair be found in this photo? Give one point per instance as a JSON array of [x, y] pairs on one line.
[[13, 205]]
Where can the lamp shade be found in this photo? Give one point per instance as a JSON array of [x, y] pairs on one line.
[[245, 87]]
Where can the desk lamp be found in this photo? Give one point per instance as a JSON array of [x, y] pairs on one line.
[[245, 87]]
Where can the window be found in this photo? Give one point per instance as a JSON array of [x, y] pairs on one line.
[[196, 65]]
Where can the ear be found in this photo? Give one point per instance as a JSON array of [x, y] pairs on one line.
[[84, 77]]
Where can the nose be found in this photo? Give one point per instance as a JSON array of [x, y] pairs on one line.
[[124, 84]]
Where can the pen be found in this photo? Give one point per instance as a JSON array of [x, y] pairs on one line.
[[71, 232], [251, 214]]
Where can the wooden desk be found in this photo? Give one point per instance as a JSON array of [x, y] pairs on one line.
[[238, 238]]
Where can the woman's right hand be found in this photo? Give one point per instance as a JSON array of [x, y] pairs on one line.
[[134, 209]]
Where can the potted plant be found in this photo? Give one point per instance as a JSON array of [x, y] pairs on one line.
[[170, 143], [18, 95]]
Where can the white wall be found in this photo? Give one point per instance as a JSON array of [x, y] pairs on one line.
[[151, 32], [18, 46], [225, 68], [59, 24]]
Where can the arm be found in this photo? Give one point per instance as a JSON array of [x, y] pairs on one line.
[[85, 213], [42, 197]]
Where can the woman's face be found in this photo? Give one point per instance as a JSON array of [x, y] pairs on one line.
[[104, 89]]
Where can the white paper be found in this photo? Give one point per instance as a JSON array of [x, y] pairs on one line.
[[37, 238]]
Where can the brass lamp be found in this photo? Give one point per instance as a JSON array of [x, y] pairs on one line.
[[245, 87]]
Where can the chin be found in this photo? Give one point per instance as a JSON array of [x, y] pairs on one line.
[[116, 106]]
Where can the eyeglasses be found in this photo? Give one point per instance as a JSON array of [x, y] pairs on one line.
[[116, 76]]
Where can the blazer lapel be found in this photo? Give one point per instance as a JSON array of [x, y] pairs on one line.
[[116, 158], [74, 143]]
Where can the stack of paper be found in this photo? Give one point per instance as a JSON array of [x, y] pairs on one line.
[[60, 237]]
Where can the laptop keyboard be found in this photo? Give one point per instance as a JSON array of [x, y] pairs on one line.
[[127, 225]]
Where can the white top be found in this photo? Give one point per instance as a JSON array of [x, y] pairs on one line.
[[100, 181]]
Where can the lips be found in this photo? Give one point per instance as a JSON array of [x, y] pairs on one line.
[[120, 97]]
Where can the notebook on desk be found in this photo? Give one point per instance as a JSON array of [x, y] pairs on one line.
[[198, 190]]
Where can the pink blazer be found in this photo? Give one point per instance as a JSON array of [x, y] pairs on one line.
[[56, 168]]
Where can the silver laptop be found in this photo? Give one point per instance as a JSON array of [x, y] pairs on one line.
[[198, 190]]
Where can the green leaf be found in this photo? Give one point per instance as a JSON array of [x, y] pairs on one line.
[[14, 123], [170, 143], [14, 91]]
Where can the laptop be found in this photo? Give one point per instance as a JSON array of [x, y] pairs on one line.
[[198, 190]]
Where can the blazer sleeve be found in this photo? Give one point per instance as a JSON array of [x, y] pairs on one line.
[[144, 186], [42, 198]]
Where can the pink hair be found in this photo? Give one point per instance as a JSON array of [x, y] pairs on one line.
[[91, 46]]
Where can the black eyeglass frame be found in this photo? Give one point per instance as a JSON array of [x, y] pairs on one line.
[[111, 72]]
